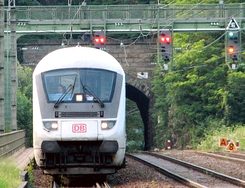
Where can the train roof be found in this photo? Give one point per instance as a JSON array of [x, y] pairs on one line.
[[78, 57]]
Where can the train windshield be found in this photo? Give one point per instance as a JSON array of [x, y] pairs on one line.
[[88, 84]]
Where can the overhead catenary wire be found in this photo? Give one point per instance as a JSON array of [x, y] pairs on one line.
[[149, 33]]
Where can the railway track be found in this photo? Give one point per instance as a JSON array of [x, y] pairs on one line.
[[97, 185], [186, 173], [88, 181], [237, 157], [134, 175]]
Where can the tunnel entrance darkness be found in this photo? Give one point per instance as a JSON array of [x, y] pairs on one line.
[[142, 102]]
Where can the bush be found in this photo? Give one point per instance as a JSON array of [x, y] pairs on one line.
[[211, 140]]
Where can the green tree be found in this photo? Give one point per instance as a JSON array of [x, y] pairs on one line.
[[236, 97], [24, 101], [193, 91], [24, 116], [135, 127], [161, 106]]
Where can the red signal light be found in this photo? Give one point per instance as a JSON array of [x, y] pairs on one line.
[[165, 39], [99, 40], [102, 39], [96, 40]]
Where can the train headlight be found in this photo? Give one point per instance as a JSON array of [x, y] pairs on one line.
[[105, 125], [79, 97], [50, 125]]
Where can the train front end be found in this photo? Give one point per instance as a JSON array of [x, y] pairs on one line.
[[79, 112]]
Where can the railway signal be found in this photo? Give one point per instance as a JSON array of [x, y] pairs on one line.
[[165, 40], [233, 45], [99, 40]]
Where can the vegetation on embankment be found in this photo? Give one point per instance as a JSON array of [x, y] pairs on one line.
[[213, 136], [9, 174]]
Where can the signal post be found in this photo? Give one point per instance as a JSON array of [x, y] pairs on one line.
[[99, 40], [233, 44], [165, 41]]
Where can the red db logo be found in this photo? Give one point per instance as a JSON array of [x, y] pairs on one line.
[[79, 128]]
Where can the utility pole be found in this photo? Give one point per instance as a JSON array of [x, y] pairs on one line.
[[2, 119]]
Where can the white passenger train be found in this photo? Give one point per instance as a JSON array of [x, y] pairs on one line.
[[79, 112]]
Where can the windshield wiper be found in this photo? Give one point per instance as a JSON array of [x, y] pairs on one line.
[[85, 88], [97, 99], [68, 89]]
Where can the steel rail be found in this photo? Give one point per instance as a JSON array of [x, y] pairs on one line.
[[225, 157], [168, 173], [224, 177]]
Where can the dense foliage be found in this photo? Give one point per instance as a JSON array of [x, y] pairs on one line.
[[199, 89], [134, 127], [218, 130], [24, 102]]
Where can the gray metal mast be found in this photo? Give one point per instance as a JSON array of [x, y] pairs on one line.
[[10, 69], [2, 120]]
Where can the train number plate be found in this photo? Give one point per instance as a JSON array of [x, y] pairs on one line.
[[79, 128]]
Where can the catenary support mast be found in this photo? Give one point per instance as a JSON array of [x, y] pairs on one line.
[[2, 122], [10, 69]]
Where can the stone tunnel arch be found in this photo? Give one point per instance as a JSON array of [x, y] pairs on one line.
[[143, 104]]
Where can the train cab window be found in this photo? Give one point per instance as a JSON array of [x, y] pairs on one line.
[[93, 84], [101, 83], [58, 83]]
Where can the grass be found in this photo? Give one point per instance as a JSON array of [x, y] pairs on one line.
[[211, 141], [9, 174]]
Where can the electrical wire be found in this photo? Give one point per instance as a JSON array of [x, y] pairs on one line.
[[142, 34], [215, 40]]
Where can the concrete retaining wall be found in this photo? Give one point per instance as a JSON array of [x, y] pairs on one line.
[[11, 142]]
